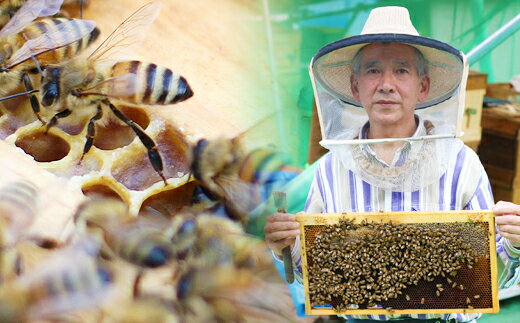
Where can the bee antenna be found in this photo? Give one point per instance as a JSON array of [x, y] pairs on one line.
[[18, 94]]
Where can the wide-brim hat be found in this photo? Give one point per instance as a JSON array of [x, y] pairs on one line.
[[331, 67]]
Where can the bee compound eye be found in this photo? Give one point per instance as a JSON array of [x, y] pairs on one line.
[[50, 88], [157, 257], [50, 95]]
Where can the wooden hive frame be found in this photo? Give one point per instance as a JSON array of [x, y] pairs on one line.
[[420, 217]]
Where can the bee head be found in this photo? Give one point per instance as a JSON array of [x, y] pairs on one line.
[[51, 86]]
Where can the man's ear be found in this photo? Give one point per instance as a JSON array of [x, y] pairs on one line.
[[424, 88], [354, 86]]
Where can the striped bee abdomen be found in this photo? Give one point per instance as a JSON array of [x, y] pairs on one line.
[[64, 29], [18, 196], [154, 84]]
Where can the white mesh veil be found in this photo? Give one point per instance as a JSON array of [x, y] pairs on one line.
[[341, 115]]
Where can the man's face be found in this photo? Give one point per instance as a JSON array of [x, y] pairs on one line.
[[388, 85]]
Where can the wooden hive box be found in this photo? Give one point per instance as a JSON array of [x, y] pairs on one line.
[[386, 261], [499, 152], [471, 124], [502, 91]]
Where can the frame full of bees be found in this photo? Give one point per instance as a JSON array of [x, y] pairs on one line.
[[399, 262]]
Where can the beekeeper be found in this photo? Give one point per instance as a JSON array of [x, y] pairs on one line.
[[390, 104]]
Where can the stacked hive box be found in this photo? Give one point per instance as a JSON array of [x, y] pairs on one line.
[[471, 123], [499, 152]]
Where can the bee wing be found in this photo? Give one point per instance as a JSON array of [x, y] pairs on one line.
[[51, 7], [84, 251], [129, 33], [117, 87], [241, 196], [50, 41], [255, 304], [244, 293], [31, 10]]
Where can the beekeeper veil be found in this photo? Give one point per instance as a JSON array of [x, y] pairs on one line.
[[344, 122]]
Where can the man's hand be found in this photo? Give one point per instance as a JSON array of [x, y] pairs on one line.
[[281, 229], [508, 221]]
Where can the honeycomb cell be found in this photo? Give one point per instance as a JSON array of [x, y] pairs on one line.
[[74, 124], [137, 115], [18, 106], [100, 189], [169, 201], [134, 170], [43, 147], [14, 116], [115, 134], [174, 149]]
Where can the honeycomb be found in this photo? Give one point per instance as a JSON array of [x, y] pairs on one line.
[[469, 288], [116, 166]]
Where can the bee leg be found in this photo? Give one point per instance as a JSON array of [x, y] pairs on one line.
[[19, 265], [153, 153], [54, 120], [32, 98], [81, 4], [137, 282], [91, 132]]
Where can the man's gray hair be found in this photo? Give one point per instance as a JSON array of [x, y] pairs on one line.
[[421, 63]]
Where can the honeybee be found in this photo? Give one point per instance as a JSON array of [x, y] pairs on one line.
[[224, 293], [8, 8], [136, 240], [87, 86], [27, 45], [230, 175], [18, 204], [183, 235], [58, 285], [211, 240]]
